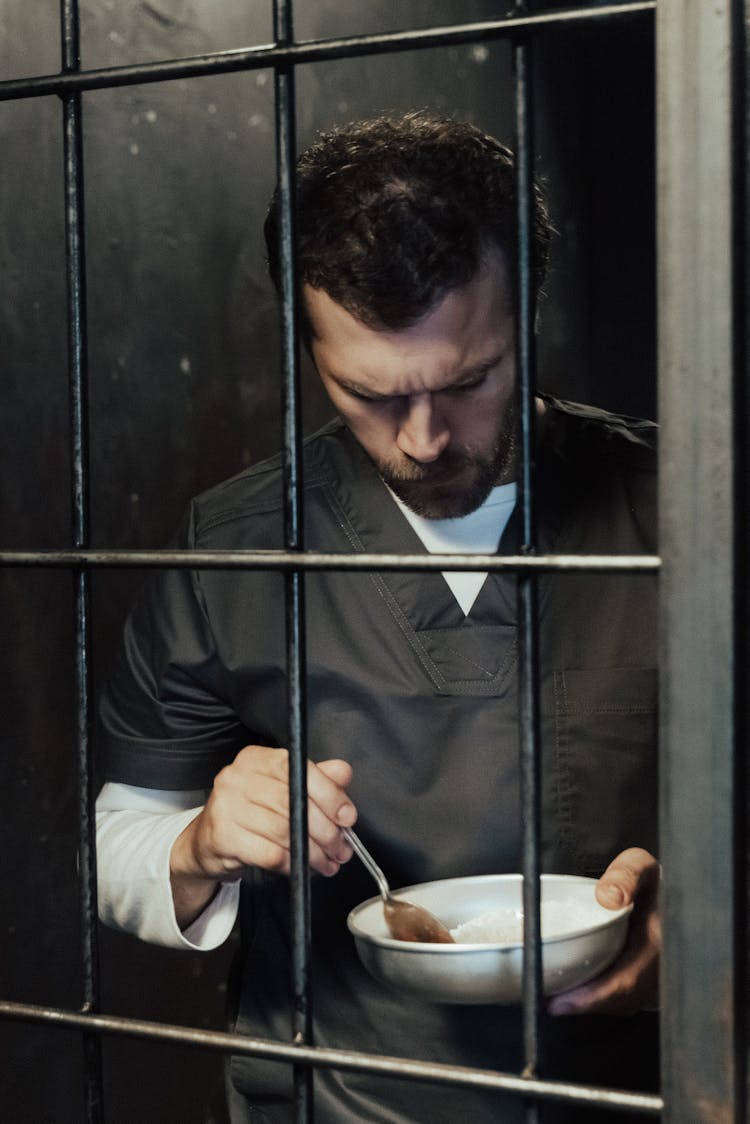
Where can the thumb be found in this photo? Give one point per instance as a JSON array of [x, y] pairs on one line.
[[626, 877]]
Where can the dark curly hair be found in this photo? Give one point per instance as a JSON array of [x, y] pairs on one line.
[[395, 211]]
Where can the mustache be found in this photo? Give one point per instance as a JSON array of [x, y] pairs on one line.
[[449, 461]]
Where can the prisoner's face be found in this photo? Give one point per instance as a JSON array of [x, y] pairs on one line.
[[431, 404]]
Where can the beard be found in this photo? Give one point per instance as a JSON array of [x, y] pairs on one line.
[[459, 481]]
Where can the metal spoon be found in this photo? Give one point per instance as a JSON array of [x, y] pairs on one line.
[[406, 921]]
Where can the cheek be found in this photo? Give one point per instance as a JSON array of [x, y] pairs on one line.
[[479, 422], [375, 430]]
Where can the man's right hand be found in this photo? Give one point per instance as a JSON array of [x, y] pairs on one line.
[[245, 822]]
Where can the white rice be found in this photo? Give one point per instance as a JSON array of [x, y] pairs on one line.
[[505, 926]]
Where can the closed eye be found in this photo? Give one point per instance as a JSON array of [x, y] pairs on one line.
[[361, 396], [471, 384]]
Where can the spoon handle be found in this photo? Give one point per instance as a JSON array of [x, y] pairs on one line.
[[368, 861]]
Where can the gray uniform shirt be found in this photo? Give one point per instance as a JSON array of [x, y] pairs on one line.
[[422, 701]]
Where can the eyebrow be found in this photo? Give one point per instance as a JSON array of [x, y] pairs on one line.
[[463, 379]]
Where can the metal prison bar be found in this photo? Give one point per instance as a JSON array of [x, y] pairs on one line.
[[702, 286], [294, 579], [702, 1072], [526, 584], [77, 373]]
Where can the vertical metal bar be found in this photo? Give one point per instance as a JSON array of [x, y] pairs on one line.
[[528, 678], [741, 230], [295, 600], [741, 97], [694, 49], [77, 358]]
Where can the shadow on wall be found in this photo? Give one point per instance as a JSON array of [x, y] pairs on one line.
[[184, 391]]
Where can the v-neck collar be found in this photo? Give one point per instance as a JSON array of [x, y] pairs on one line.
[[472, 654], [379, 525]]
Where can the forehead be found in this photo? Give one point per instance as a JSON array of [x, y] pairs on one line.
[[469, 327]]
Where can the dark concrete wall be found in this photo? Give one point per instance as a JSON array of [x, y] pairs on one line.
[[184, 391]]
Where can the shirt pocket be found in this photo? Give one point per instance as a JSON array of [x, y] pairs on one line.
[[603, 780]]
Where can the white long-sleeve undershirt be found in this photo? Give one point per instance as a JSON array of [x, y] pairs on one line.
[[135, 831]]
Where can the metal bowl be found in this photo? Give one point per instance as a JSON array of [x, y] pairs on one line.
[[588, 939]]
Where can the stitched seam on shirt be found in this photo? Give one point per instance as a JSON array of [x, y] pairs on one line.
[[564, 799], [412, 636], [467, 659], [580, 708], [259, 508], [472, 663]]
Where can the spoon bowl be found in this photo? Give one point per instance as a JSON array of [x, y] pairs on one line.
[[405, 920]]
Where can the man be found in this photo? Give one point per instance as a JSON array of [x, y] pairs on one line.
[[406, 234]]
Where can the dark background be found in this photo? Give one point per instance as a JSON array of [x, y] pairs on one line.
[[184, 391]]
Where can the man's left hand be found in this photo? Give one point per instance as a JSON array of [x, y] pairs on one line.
[[632, 983]]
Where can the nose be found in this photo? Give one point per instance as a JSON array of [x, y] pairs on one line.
[[423, 432]]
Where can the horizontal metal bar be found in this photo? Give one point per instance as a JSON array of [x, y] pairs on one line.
[[314, 560], [334, 1059], [320, 50]]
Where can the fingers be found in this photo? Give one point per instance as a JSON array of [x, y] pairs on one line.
[[234, 831], [326, 789], [337, 770], [632, 983], [629, 986], [632, 873], [246, 819]]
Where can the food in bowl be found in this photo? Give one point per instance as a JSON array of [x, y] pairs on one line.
[[505, 926]]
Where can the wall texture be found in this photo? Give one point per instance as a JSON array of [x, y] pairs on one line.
[[184, 391]]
